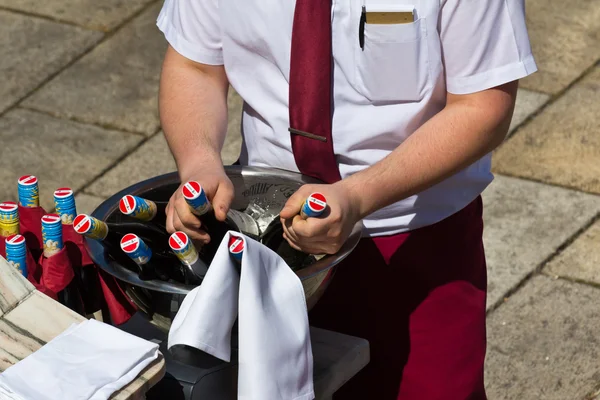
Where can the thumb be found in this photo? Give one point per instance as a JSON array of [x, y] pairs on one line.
[[294, 204], [223, 198]]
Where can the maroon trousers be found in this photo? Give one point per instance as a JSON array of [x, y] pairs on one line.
[[419, 299]]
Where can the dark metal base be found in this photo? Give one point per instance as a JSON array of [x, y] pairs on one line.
[[191, 374]]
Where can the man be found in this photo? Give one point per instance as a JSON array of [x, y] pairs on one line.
[[396, 106]]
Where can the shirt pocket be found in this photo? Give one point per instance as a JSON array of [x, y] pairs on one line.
[[393, 66]]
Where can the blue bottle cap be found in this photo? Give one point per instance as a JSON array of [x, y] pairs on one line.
[[29, 192], [16, 253], [196, 198], [136, 248], [64, 202], [52, 234]]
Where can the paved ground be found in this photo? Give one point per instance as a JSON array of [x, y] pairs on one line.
[[78, 108]]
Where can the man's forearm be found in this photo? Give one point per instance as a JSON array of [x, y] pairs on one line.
[[464, 131], [193, 111]]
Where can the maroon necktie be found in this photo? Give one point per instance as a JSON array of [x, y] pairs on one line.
[[310, 94]]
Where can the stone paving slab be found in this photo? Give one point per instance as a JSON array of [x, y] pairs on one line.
[[544, 344], [92, 14], [154, 157], [32, 49], [60, 153], [528, 102], [525, 223], [561, 145], [116, 84], [581, 260], [86, 203], [151, 159], [564, 38]]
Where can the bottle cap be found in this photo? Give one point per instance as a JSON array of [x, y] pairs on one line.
[[64, 202], [179, 241], [52, 234], [138, 207], [16, 253], [196, 197], [314, 205], [136, 248], [9, 208], [236, 246], [181, 245], [63, 193], [15, 240], [90, 227], [130, 243], [82, 224], [29, 194], [28, 180], [9, 218]]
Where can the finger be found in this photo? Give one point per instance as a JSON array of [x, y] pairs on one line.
[[312, 228], [292, 243], [185, 221], [187, 218], [305, 249], [223, 198], [294, 204], [289, 230], [169, 222], [196, 235]]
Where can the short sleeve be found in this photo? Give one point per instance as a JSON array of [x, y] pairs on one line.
[[484, 44], [192, 28]]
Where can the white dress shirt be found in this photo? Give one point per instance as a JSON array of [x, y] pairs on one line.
[[382, 94]]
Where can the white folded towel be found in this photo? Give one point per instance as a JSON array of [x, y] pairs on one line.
[[275, 353], [90, 361]]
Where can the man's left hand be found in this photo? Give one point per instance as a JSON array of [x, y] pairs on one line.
[[324, 234]]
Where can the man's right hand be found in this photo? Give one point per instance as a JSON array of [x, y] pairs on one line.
[[219, 191]]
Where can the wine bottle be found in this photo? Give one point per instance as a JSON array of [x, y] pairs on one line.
[[85, 275], [111, 232], [150, 265], [53, 243], [184, 249]]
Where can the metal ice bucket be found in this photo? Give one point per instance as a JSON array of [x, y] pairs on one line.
[[267, 187]]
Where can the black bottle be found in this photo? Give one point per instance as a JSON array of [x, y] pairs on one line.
[[151, 265]]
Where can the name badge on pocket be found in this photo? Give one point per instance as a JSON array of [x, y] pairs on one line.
[[383, 15], [388, 14]]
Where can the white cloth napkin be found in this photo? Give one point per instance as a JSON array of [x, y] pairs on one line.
[[275, 353], [90, 361]]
